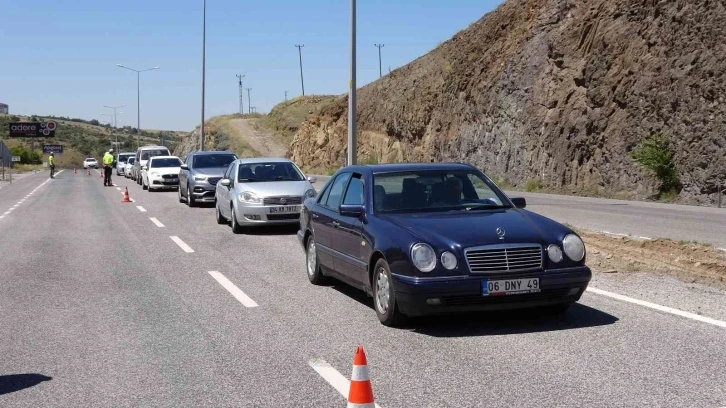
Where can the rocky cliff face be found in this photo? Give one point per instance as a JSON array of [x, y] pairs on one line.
[[555, 90]]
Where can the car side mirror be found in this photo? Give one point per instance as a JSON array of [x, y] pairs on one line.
[[312, 179], [519, 202], [184, 167], [225, 182], [351, 210]]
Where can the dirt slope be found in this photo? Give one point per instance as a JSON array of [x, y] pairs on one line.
[[263, 140], [555, 90]]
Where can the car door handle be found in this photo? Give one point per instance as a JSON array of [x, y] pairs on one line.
[[336, 224]]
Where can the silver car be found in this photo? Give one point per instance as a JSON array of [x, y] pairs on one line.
[[199, 176], [261, 191]]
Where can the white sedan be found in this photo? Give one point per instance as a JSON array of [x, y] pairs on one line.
[[161, 172], [128, 166], [90, 162]]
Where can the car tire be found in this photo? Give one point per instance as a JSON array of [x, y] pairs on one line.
[[236, 228], [218, 215], [315, 274], [179, 195], [384, 297], [190, 200], [143, 185]]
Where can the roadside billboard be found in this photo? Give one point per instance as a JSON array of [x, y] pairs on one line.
[[32, 129], [52, 148]]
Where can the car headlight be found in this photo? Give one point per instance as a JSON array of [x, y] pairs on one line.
[[555, 253], [200, 178], [154, 174], [423, 257], [310, 193], [249, 197], [449, 260], [574, 247]]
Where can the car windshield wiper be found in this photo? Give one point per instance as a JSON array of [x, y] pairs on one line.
[[479, 206]]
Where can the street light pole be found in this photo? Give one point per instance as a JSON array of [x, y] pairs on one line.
[[204, 63], [138, 97], [249, 102], [302, 83], [351, 96], [114, 116], [380, 71]]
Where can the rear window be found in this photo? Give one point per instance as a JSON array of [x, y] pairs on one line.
[[171, 162], [122, 158], [206, 161], [146, 154]]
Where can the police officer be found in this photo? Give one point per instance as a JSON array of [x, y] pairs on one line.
[[51, 164], [107, 166]]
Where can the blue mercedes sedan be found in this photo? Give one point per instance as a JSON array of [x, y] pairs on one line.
[[438, 238]]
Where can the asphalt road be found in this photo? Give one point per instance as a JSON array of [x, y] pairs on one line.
[[101, 307], [643, 219]]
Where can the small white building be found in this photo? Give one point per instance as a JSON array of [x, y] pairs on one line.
[[4, 108]]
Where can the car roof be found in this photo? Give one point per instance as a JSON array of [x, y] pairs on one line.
[[90, 158], [208, 152], [152, 147], [264, 160], [397, 167], [132, 153]]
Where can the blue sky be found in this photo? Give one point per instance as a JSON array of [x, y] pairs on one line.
[[59, 57]]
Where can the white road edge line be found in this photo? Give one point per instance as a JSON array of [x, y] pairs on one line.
[[234, 290], [119, 189], [181, 244], [332, 376], [142, 209], [157, 222], [655, 306]]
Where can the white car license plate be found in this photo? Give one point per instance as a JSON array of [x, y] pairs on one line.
[[509, 286], [284, 209], [173, 180]]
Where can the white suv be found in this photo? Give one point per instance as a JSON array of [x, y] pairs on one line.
[[90, 162]]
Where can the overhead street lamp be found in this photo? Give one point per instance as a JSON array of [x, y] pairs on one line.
[[138, 98], [114, 111]]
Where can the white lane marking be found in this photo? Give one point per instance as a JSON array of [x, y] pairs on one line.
[[132, 200], [119, 189], [142, 209], [234, 290], [333, 377], [155, 221], [28, 196], [182, 244], [655, 306]]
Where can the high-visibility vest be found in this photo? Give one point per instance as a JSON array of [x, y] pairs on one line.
[[107, 159], [51, 160]]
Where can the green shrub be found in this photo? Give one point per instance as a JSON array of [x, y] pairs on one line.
[[654, 153], [533, 185]]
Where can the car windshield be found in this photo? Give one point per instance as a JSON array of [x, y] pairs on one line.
[[207, 161], [132, 160], [170, 162], [274, 171], [123, 158], [146, 154], [91, 160], [435, 190]]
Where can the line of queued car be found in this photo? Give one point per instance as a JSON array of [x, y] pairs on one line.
[[419, 238]]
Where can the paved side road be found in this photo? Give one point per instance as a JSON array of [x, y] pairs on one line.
[[152, 303], [644, 219]]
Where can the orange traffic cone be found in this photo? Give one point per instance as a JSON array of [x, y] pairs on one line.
[[88, 172], [100, 174], [74, 170], [361, 392], [126, 198]]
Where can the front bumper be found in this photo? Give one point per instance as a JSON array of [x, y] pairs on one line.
[[248, 214], [159, 182], [463, 294], [203, 191]]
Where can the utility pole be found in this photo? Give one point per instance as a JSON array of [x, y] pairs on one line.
[[204, 63], [114, 117], [138, 98], [249, 101], [351, 96], [302, 83], [241, 95], [380, 72], [285, 96]]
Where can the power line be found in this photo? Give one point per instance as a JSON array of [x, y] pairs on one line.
[[379, 46], [302, 83]]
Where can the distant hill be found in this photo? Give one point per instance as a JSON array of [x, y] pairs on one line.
[[558, 94], [256, 134], [82, 138]]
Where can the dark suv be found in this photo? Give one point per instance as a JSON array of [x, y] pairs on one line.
[[199, 175]]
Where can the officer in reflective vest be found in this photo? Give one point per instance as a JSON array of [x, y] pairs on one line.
[[107, 165], [51, 164]]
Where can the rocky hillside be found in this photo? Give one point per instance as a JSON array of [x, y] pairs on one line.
[[554, 91]]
